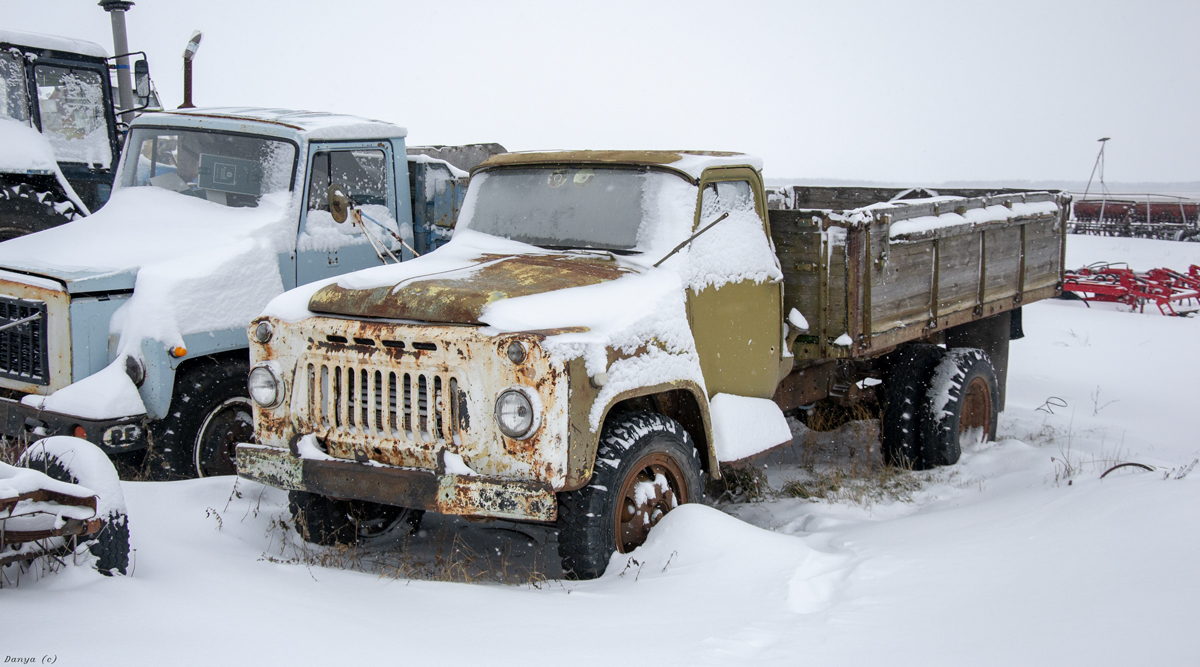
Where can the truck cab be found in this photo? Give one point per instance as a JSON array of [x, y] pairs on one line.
[[60, 89], [128, 327]]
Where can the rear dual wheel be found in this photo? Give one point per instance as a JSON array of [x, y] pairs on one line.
[[937, 400], [960, 406]]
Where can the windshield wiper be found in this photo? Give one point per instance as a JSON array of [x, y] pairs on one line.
[[599, 251], [691, 238]]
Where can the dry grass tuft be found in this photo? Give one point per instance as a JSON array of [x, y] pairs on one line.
[[863, 486], [741, 484]]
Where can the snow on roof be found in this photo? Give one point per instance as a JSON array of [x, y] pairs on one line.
[[52, 42], [692, 163], [314, 124]]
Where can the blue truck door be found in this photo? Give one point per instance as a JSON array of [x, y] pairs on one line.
[[437, 196], [326, 248]]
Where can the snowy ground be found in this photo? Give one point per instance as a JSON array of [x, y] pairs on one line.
[[1018, 555]]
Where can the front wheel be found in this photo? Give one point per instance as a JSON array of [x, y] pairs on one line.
[[646, 466], [329, 521], [209, 415]]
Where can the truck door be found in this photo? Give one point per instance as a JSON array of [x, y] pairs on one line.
[[326, 248], [738, 325], [437, 199]]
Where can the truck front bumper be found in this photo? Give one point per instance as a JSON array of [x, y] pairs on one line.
[[483, 497], [123, 434]]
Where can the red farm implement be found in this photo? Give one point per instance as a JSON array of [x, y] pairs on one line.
[[1118, 284]]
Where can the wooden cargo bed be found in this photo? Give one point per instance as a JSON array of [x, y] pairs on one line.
[[872, 273]]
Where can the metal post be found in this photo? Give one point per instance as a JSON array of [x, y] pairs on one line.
[[117, 9], [187, 85], [189, 52]]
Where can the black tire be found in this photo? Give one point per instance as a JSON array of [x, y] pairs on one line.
[[209, 414], [328, 521], [77, 461], [25, 209], [631, 446], [904, 391], [963, 397]]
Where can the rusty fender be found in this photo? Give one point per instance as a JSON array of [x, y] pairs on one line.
[[478, 496]]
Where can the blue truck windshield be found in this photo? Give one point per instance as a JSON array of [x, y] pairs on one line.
[[229, 169]]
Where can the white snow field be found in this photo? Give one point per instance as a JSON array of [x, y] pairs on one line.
[[1018, 555]]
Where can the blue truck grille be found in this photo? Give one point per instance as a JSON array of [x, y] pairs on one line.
[[23, 346]]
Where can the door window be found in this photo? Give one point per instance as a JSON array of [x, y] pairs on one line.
[[362, 174], [13, 103]]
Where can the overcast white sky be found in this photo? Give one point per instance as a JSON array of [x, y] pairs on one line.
[[894, 91]]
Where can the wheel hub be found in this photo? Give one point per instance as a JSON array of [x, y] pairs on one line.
[[228, 424], [655, 488], [977, 408]]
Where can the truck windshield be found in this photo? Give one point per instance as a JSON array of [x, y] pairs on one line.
[[568, 207], [229, 169], [72, 111]]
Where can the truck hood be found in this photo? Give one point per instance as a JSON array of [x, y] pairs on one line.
[[138, 228], [459, 296]]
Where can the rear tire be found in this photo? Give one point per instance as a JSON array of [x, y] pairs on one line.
[[903, 414], [636, 449], [962, 402], [77, 461]]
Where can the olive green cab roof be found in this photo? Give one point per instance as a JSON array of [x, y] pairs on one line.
[[691, 163]]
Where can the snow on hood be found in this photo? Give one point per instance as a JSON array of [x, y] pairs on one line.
[[461, 296], [195, 266]]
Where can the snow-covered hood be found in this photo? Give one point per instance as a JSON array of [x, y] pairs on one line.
[[460, 296], [139, 227]]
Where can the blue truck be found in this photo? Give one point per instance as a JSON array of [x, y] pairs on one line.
[[129, 327]]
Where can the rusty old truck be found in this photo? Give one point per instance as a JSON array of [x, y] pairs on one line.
[[606, 328]]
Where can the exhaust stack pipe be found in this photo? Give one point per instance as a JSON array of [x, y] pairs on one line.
[[189, 52], [117, 9]]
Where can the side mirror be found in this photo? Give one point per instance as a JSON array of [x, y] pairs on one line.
[[141, 78], [339, 203]]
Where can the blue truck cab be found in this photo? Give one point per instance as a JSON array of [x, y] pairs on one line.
[[128, 327]]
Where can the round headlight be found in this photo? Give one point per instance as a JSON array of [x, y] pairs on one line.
[[516, 352], [262, 332], [265, 388], [514, 414]]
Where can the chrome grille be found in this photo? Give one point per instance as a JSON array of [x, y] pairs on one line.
[[23, 354], [388, 403]]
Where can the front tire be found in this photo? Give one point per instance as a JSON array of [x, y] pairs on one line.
[[77, 461], [328, 521], [646, 466], [210, 413]]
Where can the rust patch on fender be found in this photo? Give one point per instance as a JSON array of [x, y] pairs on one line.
[[460, 296]]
